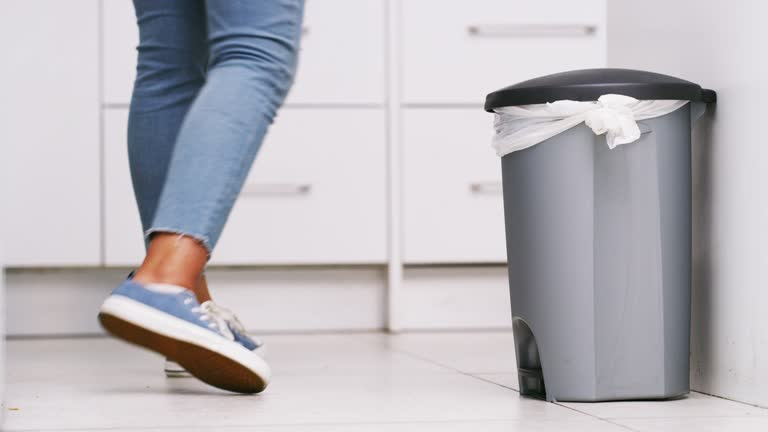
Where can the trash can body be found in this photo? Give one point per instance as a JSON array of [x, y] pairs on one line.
[[598, 230], [599, 253]]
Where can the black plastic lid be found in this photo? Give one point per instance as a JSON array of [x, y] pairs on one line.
[[590, 84]]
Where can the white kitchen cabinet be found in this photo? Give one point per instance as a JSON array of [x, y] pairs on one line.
[[452, 202], [120, 37], [123, 236], [315, 195], [49, 132], [341, 59], [458, 51], [381, 155]]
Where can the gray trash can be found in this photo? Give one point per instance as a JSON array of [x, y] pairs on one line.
[[599, 244]]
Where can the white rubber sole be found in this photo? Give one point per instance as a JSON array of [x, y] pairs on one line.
[[206, 355]]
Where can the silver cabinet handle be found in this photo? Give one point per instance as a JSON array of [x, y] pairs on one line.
[[485, 187], [531, 30], [276, 189]]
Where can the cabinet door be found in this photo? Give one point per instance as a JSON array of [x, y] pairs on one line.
[[123, 236], [49, 132], [452, 201], [315, 195], [341, 58], [459, 51]]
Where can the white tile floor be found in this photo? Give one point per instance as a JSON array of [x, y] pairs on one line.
[[349, 383]]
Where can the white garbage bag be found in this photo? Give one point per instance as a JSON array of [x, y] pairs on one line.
[[616, 116]]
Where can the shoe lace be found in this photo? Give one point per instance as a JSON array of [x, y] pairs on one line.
[[204, 315], [223, 314]]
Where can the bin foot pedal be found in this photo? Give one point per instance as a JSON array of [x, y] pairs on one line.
[[531, 382]]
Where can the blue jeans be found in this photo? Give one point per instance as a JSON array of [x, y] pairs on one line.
[[211, 75]]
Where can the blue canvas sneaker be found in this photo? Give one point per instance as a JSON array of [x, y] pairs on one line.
[[168, 319], [226, 319]]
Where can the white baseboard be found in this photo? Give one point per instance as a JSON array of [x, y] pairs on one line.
[[304, 299], [56, 302], [65, 301], [44, 302], [437, 298]]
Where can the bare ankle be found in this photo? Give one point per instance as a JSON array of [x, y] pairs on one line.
[[158, 276], [173, 259], [201, 289]]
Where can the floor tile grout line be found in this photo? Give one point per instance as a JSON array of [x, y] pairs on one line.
[[468, 374], [697, 416], [613, 420], [595, 416], [458, 371], [384, 423], [610, 420], [425, 359], [762, 414], [623, 426], [292, 425], [445, 366], [731, 400], [489, 381]]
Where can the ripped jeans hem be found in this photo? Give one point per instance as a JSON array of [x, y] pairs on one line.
[[203, 240]]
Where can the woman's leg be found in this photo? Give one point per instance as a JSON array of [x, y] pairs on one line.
[[252, 49], [171, 69]]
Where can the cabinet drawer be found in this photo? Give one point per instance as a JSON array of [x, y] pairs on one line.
[[315, 195], [341, 59], [453, 211], [475, 47]]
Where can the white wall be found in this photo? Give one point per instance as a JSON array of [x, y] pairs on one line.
[[721, 45], [2, 338]]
